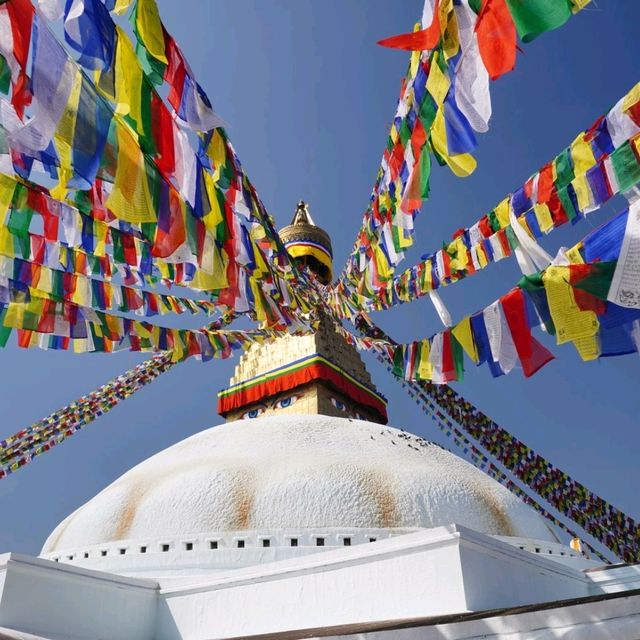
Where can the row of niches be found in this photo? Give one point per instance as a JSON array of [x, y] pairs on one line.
[[237, 541]]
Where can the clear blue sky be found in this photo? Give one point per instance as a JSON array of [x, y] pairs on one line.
[[309, 98]]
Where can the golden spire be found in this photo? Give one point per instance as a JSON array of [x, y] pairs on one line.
[[307, 243]]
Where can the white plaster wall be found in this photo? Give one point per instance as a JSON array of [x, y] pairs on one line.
[[45, 598], [498, 575], [396, 578], [613, 579], [443, 570]]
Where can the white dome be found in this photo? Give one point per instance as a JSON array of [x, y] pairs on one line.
[[296, 472]]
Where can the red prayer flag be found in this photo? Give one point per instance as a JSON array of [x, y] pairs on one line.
[[417, 40], [532, 354], [175, 72], [162, 128], [545, 182], [496, 38], [634, 112], [21, 15], [170, 230]]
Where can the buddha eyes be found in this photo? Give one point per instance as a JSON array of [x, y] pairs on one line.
[[286, 402], [280, 404], [338, 404]]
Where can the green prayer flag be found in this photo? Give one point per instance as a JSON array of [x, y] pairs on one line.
[[567, 204], [458, 358], [475, 5], [598, 281], [494, 223], [428, 111], [511, 238], [425, 171], [398, 362], [564, 170], [533, 17], [626, 166], [5, 332], [5, 76], [118, 247], [405, 132], [153, 68]]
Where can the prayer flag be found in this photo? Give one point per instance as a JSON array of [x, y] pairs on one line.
[[533, 17], [421, 40], [149, 30], [89, 29], [496, 38], [531, 353]]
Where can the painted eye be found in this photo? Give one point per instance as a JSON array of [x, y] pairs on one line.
[[338, 404], [286, 402], [254, 413]]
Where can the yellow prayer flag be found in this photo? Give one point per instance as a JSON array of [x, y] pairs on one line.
[[6, 242], [437, 83], [463, 164], [129, 78], [581, 155], [449, 29], [415, 55], [130, 199], [216, 215], [384, 269], [573, 254], [7, 188], [588, 348], [457, 247], [502, 213], [122, 6], [424, 368], [481, 256], [178, 346], [149, 28], [582, 189], [217, 278], [14, 317], [463, 334], [45, 282], [217, 149], [101, 229], [139, 328], [63, 138], [543, 217], [571, 322], [426, 282], [578, 5], [631, 98]]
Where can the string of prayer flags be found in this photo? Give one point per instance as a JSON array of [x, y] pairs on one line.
[[601, 520], [455, 51], [165, 60], [24, 446], [480, 459], [570, 301], [564, 190], [134, 150]]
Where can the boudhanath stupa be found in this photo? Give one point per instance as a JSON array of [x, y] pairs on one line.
[[305, 515]]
